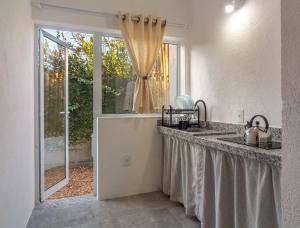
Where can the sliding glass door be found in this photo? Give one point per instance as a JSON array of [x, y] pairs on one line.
[[53, 114]]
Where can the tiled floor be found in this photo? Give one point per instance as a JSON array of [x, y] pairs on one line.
[[152, 210]]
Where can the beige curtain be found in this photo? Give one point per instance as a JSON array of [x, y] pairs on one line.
[[159, 80], [143, 39]]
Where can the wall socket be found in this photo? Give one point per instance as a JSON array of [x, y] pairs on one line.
[[240, 116], [126, 160]]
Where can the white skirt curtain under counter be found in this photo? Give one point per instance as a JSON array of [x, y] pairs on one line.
[[222, 190], [180, 178]]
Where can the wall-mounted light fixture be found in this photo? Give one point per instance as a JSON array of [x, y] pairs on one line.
[[232, 5], [229, 8]]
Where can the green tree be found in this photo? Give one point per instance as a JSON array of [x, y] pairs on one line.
[[80, 89], [117, 72]]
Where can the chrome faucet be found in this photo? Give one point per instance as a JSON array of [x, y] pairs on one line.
[[205, 110]]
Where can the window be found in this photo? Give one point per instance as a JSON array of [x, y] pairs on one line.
[[118, 76]]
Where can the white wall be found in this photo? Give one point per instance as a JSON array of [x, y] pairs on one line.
[[138, 138], [174, 10], [16, 115], [291, 112], [235, 59]]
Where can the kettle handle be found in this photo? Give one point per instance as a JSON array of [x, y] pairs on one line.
[[265, 120]]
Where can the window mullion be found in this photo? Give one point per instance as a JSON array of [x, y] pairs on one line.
[[97, 76], [178, 81]]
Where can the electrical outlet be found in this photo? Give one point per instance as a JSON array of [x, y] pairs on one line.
[[126, 160], [240, 116]]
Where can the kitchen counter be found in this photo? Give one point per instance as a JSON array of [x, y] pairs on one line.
[[271, 157]]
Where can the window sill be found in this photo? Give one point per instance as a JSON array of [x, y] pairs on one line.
[[129, 116]]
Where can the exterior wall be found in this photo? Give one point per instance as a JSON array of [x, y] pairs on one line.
[[130, 156], [54, 154], [81, 153], [235, 59], [17, 114], [291, 111]]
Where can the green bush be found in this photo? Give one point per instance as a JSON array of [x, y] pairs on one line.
[[117, 71], [81, 90]]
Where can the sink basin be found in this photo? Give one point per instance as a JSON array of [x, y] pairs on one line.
[[195, 130], [214, 132], [206, 132], [241, 140]]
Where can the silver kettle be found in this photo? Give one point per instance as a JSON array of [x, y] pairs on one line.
[[251, 134]]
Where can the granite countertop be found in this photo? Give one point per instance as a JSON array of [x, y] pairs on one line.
[[272, 157]]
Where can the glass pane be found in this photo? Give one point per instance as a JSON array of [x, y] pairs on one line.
[[163, 79], [159, 80], [54, 109], [80, 76], [118, 77]]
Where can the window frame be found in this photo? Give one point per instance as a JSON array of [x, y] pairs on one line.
[[178, 77], [97, 68]]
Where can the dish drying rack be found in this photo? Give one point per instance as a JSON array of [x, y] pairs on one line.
[[168, 113]]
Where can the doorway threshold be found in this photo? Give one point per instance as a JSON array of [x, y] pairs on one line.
[[70, 201]]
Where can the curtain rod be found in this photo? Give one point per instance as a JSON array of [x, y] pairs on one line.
[[42, 5], [146, 19]]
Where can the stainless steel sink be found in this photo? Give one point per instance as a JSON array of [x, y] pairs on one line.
[[204, 131], [241, 140], [195, 130], [213, 132]]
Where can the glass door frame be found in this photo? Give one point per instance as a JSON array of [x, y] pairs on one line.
[[44, 193], [97, 94]]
